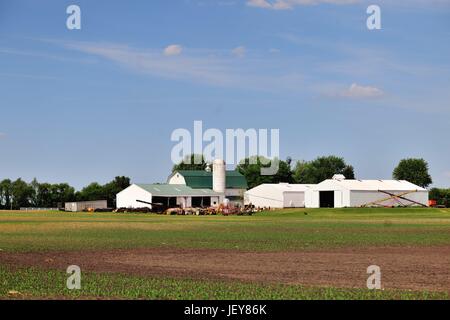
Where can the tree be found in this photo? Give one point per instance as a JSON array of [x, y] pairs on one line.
[[321, 169], [61, 193], [251, 169], [22, 194], [45, 195], [414, 171], [112, 188], [93, 191], [6, 194], [191, 162], [107, 192]]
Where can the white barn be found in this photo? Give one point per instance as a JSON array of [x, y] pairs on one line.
[[340, 193], [169, 195], [282, 195]]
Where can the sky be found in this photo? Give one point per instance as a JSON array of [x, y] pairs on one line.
[[87, 105]]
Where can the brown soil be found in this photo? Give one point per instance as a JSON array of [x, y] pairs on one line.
[[414, 268]]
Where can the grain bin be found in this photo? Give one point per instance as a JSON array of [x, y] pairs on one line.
[[219, 176]]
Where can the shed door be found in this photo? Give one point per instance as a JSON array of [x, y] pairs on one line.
[[326, 199]]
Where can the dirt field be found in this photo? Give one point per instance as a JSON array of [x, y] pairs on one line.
[[410, 268]]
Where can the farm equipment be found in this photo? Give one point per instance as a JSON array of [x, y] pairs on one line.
[[156, 207]]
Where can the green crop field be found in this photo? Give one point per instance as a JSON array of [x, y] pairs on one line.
[[279, 231]]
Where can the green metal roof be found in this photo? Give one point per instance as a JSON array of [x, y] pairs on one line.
[[201, 179], [174, 190]]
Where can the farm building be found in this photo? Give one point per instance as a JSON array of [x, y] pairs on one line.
[[231, 183], [187, 189], [167, 195], [85, 205], [340, 193], [282, 195]]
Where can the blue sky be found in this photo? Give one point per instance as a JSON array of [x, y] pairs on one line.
[[86, 105]]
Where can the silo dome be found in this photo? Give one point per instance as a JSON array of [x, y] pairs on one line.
[[219, 176]]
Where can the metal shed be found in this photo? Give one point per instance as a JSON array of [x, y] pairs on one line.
[[341, 193], [85, 205]]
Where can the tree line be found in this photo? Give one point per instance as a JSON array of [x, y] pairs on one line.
[[19, 194], [310, 172]]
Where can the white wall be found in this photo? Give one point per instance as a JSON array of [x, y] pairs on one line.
[[177, 179], [311, 199], [339, 198], [216, 200], [360, 198], [127, 198], [184, 202], [267, 195], [294, 199], [345, 198], [264, 196], [234, 192]]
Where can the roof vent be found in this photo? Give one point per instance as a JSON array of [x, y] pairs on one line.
[[338, 177]]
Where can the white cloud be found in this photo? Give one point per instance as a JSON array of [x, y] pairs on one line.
[[289, 4], [259, 4], [239, 52], [208, 67], [173, 50], [358, 91]]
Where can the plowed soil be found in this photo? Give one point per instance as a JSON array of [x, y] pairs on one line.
[[413, 268]]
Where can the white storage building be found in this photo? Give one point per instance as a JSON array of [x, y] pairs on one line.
[[282, 195], [340, 193], [85, 205]]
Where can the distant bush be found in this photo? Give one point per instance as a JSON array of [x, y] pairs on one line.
[[442, 196]]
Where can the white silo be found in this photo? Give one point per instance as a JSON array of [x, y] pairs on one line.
[[219, 176]]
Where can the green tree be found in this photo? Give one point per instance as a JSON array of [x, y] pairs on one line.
[[46, 195], [22, 194], [414, 171], [191, 162], [251, 169], [108, 192], [61, 193], [6, 194], [321, 169], [93, 191], [111, 189], [34, 185]]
